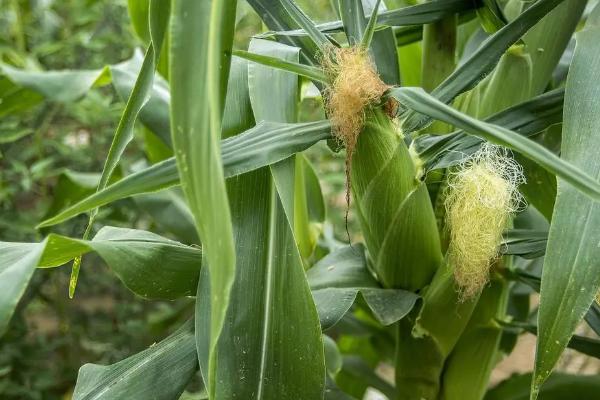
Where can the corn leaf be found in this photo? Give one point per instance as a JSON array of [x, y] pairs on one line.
[[61, 86], [527, 118], [365, 41], [353, 19], [155, 112], [560, 386], [149, 265], [571, 275], [158, 18], [264, 144], [592, 317], [307, 71], [160, 372], [17, 265], [159, 13], [527, 243], [277, 18], [337, 279], [424, 103], [548, 40], [261, 355], [201, 40], [418, 14], [582, 344], [483, 60], [305, 23]]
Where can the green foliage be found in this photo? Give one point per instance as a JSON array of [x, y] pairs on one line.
[[211, 179]]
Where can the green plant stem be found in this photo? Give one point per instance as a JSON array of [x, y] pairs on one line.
[[77, 261], [439, 51], [439, 58], [18, 31]]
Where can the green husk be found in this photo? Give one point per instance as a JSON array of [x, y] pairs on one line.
[[393, 207], [468, 368], [425, 342]]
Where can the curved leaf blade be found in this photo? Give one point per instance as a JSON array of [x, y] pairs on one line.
[[337, 279], [571, 274], [264, 144], [160, 372], [306, 71], [201, 37], [527, 119], [483, 60], [409, 16], [421, 102], [17, 265]]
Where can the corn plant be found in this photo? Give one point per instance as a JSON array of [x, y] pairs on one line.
[[469, 133]]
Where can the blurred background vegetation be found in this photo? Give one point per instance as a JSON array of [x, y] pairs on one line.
[[50, 155]]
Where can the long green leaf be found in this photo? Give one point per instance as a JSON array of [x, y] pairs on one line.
[[61, 86], [584, 345], [307, 71], [17, 264], [592, 317], [571, 274], [159, 13], [548, 40], [148, 264], [276, 17], [483, 60], [560, 386], [527, 118], [155, 113], [303, 21], [365, 41], [421, 102], [353, 19], [159, 16], [419, 14], [526, 243], [336, 281], [264, 144], [201, 39], [260, 354], [160, 372]]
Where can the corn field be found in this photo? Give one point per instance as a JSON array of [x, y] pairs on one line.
[[467, 132]]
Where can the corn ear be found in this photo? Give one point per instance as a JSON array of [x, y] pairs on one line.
[[393, 207]]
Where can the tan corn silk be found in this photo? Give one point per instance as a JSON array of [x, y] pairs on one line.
[[355, 85], [481, 195]]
